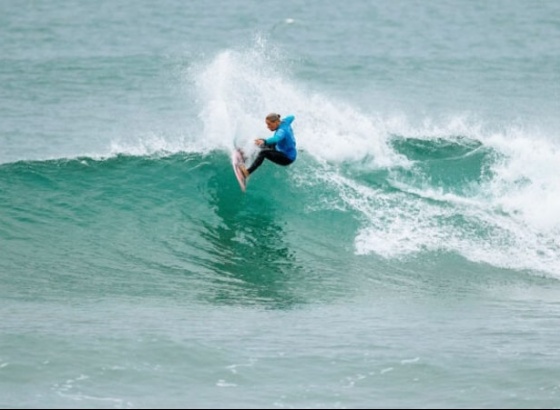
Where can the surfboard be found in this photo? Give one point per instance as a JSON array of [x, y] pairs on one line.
[[236, 159]]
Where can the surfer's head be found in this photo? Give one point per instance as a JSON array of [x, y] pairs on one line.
[[273, 121]]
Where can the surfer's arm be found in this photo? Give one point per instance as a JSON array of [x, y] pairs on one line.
[[289, 119], [277, 137]]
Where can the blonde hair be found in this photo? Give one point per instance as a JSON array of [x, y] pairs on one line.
[[273, 117]]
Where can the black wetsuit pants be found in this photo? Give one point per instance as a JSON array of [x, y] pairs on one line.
[[269, 152]]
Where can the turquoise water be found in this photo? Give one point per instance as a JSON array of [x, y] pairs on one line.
[[409, 258]]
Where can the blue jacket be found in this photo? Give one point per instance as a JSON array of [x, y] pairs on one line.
[[284, 138]]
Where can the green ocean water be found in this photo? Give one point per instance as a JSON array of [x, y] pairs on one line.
[[408, 259]]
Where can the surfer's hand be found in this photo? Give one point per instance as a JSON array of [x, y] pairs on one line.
[[259, 142]]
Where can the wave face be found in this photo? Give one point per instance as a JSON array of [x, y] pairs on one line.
[[490, 199]]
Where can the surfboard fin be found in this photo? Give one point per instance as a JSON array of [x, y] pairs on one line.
[[242, 154]]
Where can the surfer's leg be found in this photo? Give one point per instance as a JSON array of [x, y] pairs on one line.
[[272, 155], [278, 158], [258, 161]]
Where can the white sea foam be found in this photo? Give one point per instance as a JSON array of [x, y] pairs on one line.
[[512, 220], [239, 88]]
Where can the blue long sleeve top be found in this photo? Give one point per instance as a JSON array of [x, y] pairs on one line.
[[284, 138]]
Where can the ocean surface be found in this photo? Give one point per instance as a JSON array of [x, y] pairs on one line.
[[410, 257]]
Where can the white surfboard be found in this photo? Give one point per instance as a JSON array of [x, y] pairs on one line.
[[236, 160]]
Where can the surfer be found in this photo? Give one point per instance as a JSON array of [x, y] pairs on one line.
[[280, 148]]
